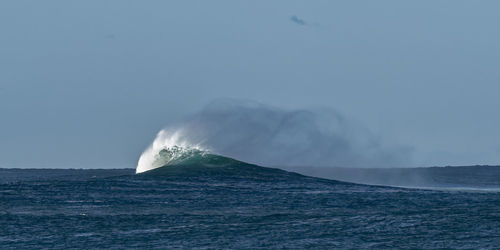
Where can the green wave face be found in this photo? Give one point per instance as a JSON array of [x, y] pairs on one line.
[[178, 156], [187, 161]]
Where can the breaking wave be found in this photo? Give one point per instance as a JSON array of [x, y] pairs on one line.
[[168, 148], [269, 136]]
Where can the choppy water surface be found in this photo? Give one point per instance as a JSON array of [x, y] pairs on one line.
[[255, 208]]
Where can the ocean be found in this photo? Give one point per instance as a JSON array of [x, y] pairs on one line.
[[214, 202]]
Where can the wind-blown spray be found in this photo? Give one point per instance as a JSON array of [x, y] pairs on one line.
[[269, 136]]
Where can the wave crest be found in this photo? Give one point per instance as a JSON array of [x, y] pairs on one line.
[[169, 147]]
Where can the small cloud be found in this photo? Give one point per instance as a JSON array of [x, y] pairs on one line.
[[297, 20], [110, 36]]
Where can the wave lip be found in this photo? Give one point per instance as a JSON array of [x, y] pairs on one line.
[[167, 148]]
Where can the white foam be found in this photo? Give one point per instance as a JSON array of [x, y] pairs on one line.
[[166, 139]]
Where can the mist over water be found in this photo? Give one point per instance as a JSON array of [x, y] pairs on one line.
[[270, 136]]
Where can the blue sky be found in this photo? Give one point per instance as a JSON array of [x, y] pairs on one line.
[[89, 83]]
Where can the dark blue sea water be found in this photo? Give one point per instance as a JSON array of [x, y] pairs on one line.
[[234, 205]]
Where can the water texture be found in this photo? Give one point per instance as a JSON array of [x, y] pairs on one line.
[[216, 202]]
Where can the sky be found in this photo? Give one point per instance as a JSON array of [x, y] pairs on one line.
[[88, 84]]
